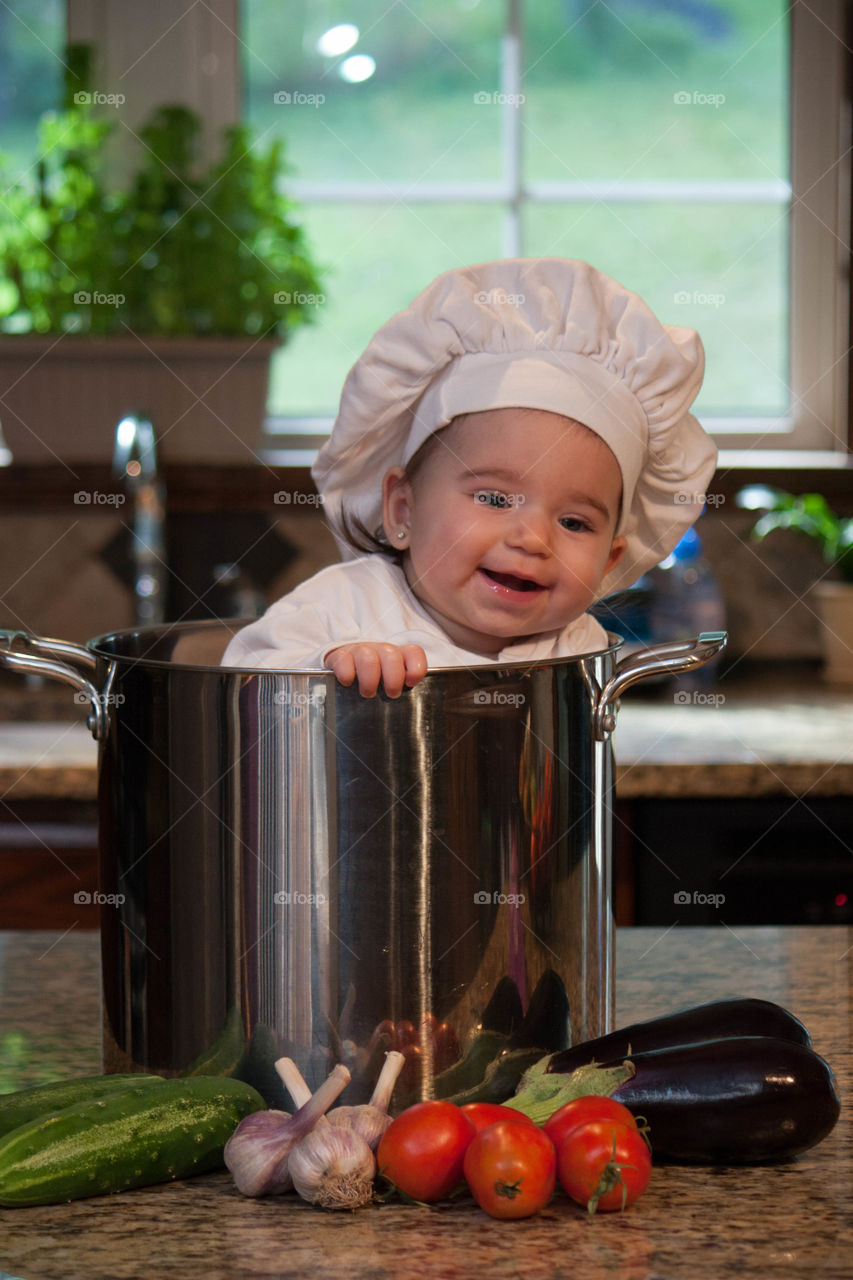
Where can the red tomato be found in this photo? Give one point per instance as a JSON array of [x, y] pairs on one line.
[[482, 1114], [422, 1151], [584, 1110], [511, 1169], [604, 1165]]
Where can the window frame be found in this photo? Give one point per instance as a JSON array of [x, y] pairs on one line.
[[816, 433]]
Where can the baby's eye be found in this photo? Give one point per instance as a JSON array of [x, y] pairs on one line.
[[493, 498], [574, 524]]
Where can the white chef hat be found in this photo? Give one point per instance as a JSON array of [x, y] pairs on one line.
[[534, 333]]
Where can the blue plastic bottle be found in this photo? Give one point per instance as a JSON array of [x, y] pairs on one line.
[[687, 599]]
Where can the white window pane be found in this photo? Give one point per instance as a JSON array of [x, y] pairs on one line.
[[640, 90], [379, 257], [415, 117], [32, 35]]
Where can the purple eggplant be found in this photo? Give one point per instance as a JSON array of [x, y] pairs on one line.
[[742, 1100], [717, 1020]]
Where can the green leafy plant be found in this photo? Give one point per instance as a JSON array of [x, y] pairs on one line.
[[178, 249], [810, 514]]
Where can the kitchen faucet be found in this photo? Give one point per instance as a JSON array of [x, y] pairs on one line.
[[135, 464]]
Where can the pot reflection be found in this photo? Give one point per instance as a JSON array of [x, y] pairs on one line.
[[309, 873]]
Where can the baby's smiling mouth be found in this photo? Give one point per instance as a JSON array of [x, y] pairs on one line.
[[510, 580]]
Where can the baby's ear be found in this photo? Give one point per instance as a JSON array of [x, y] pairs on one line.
[[396, 503], [617, 551]]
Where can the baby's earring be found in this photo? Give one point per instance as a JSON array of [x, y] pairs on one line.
[[401, 533]]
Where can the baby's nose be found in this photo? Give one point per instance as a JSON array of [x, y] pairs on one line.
[[530, 531]]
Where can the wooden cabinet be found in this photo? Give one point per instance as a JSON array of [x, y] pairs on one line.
[[48, 865]]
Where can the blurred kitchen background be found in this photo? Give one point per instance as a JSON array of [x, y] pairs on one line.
[[696, 150]]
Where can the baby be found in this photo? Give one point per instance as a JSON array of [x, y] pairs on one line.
[[511, 448]]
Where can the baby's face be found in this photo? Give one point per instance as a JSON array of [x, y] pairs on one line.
[[511, 523]]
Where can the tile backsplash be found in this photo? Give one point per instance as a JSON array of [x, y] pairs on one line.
[[62, 575]]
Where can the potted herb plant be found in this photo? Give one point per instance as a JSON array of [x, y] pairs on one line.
[[165, 294], [811, 515]]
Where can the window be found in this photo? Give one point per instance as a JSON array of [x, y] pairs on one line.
[[650, 137], [31, 32]]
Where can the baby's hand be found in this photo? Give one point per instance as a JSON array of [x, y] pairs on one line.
[[391, 665]]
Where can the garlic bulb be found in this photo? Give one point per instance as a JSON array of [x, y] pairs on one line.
[[257, 1151], [333, 1167], [253, 1153], [368, 1122], [371, 1119]]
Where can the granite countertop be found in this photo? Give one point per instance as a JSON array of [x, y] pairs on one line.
[[788, 1220], [765, 734], [759, 739]]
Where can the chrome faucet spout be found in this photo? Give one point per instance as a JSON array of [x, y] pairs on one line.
[[135, 465]]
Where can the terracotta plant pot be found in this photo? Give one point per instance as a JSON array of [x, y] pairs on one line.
[[834, 602], [62, 396]]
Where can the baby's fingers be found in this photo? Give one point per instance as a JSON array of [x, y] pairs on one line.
[[342, 663], [368, 669], [393, 669], [415, 662], [392, 666]]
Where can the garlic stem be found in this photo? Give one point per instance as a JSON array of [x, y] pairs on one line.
[[293, 1081], [371, 1119], [317, 1104], [391, 1069]]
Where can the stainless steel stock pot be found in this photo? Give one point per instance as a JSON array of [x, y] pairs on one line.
[[288, 868]]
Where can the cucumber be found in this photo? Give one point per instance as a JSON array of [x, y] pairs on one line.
[[130, 1139], [44, 1099]]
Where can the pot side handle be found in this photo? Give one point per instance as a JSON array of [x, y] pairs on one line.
[[51, 658], [660, 659]]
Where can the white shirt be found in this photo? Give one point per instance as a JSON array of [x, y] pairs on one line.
[[370, 599]]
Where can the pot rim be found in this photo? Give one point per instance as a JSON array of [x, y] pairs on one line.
[[95, 646]]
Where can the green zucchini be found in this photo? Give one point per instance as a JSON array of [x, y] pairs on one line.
[[44, 1099], [131, 1139], [222, 1057]]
